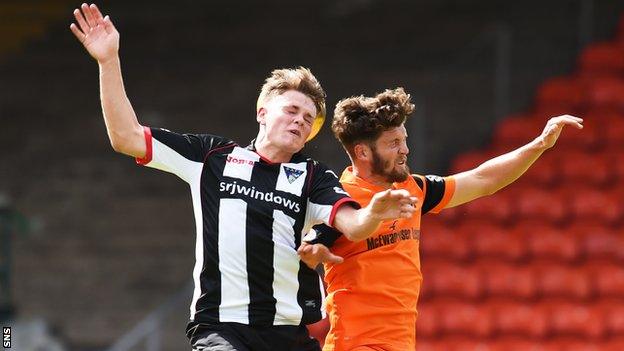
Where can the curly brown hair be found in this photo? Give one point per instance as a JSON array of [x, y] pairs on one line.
[[362, 119], [300, 79]]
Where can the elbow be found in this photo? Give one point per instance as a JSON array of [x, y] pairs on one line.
[[117, 144]]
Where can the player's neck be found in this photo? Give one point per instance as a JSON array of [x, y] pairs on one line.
[[271, 153]]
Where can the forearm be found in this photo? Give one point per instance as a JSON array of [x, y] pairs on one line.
[[124, 131], [503, 170]]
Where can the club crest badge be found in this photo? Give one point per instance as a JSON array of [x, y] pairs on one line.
[[292, 174]]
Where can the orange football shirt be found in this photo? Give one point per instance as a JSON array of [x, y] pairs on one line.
[[372, 295]]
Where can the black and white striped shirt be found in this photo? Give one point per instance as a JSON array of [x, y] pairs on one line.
[[250, 216]]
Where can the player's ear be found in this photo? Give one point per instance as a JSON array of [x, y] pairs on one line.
[[362, 152], [261, 115]]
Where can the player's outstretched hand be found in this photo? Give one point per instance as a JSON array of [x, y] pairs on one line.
[[392, 204], [96, 33], [554, 126], [314, 254]]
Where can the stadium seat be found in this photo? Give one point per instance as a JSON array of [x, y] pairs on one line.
[[505, 280], [492, 241], [451, 280], [541, 205], [572, 344], [588, 138], [608, 278], [515, 344], [545, 241], [554, 280], [439, 241], [598, 241], [515, 131], [573, 319], [613, 344], [469, 160], [605, 93], [520, 319], [613, 124], [427, 324], [545, 172], [466, 319], [613, 313], [582, 167], [594, 206], [566, 92], [604, 58], [494, 208]]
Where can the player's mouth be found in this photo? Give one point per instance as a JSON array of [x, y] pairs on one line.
[[295, 132]]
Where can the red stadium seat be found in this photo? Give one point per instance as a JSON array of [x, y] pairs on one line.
[[617, 159], [452, 280], [594, 206], [520, 319], [545, 172], [573, 319], [541, 205], [605, 58], [503, 280], [563, 281], [613, 124], [466, 319], [494, 208], [469, 160], [572, 344], [439, 241], [588, 138], [427, 324], [586, 168], [598, 241], [613, 313], [515, 344], [614, 344], [606, 93], [516, 131], [566, 92], [545, 241], [608, 278], [489, 240]]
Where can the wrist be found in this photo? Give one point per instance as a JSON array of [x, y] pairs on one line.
[[112, 61]]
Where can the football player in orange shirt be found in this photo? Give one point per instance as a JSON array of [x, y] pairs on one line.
[[372, 295]]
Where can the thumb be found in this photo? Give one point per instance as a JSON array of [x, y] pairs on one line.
[[331, 258]]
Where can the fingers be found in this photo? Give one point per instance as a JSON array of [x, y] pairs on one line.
[[331, 258], [96, 13], [567, 120], [86, 10], [84, 27], [77, 32], [108, 25]]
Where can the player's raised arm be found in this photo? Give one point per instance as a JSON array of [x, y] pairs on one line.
[[359, 224], [501, 171], [100, 38]]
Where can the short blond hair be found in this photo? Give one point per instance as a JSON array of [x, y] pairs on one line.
[[300, 79]]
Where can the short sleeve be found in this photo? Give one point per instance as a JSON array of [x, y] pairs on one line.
[[326, 195], [438, 192], [180, 154]]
